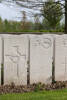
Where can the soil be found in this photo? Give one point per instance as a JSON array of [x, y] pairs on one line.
[[4, 89]]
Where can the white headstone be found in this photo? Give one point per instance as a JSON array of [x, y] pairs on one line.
[[61, 58], [0, 57], [41, 52], [15, 60]]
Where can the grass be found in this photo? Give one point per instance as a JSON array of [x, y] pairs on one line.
[[44, 95]]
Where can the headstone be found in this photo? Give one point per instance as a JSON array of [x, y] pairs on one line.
[[0, 57], [41, 52], [15, 60], [61, 58]]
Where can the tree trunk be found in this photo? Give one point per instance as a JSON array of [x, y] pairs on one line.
[[65, 16]]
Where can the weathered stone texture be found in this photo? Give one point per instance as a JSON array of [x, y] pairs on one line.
[[15, 60], [0, 57], [61, 58], [41, 52]]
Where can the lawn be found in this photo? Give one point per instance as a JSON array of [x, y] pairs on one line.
[[44, 95]]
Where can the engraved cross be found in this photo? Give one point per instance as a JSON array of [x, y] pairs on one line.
[[15, 58]]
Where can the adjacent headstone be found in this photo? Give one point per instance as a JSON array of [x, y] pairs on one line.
[[41, 52], [61, 58], [0, 57], [15, 60]]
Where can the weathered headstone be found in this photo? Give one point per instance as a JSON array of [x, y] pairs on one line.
[[0, 57], [15, 60], [41, 52], [61, 58]]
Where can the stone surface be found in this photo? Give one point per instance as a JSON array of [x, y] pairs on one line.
[[0, 57], [41, 52], [61, 58], [15, 60]]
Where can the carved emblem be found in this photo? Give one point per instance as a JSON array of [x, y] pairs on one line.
[[44, 42], [15, 58]]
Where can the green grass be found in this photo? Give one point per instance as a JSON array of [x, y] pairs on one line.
[[44, 95]]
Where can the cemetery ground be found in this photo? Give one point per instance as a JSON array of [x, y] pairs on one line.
[[55, 91], [40, 95]]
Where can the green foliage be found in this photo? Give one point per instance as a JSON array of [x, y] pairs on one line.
[[1, 24], [52, 14], [14, 26], [38, 87]]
